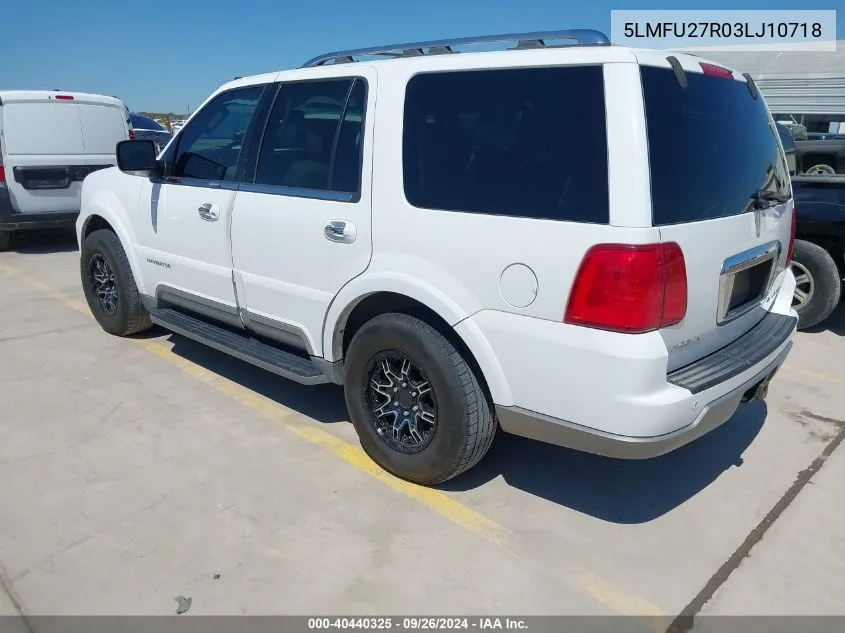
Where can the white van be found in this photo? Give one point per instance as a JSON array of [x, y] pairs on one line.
[[49, 142]]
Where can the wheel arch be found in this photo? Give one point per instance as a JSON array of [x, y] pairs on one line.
[[831, 241], [354, 307], [100, 217]]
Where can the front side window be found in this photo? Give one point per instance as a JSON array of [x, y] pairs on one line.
[[524, 142], [210, 145], [313, 136]]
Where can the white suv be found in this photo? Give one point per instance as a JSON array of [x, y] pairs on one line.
[[582, 244]]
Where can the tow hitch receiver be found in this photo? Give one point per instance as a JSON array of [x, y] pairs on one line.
[[761, 389]]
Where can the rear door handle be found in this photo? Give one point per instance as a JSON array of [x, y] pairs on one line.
[[340, 231], [208, 211]]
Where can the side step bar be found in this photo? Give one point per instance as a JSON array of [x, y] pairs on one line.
[[240, 345]]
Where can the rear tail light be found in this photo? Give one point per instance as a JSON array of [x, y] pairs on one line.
[[791, 237], [131, 135], [2, 175], [716, 71], [65, 97], [629, 288]]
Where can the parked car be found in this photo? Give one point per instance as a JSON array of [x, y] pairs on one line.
[[797, 130], [824, 136], [451, 261], [49, 142], [819, 259], [145, 128]]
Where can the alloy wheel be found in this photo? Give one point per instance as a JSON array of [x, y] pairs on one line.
[[103, 284], [804, 286], [401, 402]]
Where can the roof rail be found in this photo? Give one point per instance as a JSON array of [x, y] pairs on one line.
[[584, 37]]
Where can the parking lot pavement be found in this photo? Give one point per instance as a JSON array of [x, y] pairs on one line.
[[138, 470], [799, 566]]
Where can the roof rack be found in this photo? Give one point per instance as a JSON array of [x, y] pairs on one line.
[[584, 37]]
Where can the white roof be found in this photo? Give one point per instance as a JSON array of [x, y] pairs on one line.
[[9, 96], [487, 59]]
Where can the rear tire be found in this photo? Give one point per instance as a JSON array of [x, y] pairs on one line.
[[6, 239], [427, 380], [109, 285], [821, 169], [818, 283]]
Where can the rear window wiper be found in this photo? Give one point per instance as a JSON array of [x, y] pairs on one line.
[[763, 198]]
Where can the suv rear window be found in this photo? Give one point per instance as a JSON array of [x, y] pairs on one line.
[[711, 147], [528, 142]]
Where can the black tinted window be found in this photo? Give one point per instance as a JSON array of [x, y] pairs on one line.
[[210, 145], [518, 142], [313, 137], [144, 123], [711, 147]]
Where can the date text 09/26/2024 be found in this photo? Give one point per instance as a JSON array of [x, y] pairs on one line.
[[416, 623]]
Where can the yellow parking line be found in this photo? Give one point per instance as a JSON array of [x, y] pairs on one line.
[[578, 578], [831, 378]]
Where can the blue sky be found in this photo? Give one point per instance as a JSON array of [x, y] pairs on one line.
[[168, 56]]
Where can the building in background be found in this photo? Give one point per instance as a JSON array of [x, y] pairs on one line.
[[805, 86]]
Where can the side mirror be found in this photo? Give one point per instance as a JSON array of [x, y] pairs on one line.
[[137, 157]]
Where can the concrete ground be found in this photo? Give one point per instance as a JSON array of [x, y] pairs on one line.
[[136, 471]]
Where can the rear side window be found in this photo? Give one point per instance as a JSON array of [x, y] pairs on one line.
[[313, 137], [527, 142], [711, 147]]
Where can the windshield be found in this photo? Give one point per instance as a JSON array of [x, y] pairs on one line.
[[712, 148]]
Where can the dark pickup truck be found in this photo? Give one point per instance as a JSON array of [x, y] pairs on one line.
[[825, 157], [819, 257]]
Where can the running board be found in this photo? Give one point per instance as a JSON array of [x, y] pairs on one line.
[[240, 345]]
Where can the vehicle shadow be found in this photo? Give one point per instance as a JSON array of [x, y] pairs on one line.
[[834, 323], [324, 403], [44, 241], [614, 490]]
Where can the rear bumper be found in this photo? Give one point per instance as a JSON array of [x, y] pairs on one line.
[[554, 431], [611, 394], [11, 219]]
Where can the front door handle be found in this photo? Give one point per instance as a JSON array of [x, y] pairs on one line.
[[340, 231], [208, 211]]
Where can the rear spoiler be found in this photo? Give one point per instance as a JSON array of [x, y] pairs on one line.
[[752, 87]]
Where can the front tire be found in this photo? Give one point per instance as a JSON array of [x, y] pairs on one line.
[[817, 283], [109, 285], [416, 404]]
